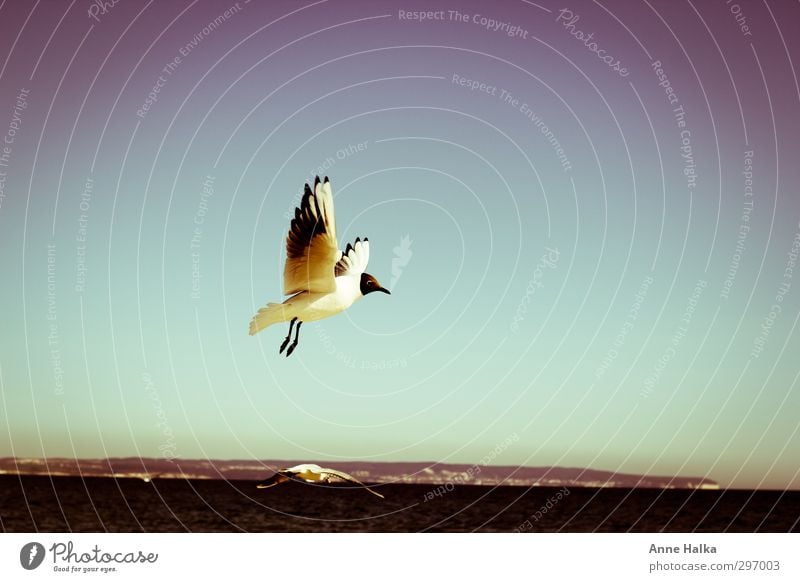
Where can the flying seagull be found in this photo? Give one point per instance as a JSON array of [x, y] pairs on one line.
[[321, 279], [311, 473]]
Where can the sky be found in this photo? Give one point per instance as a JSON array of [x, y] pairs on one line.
[[587, 215]]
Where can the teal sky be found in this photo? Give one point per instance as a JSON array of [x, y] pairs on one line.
[[610, 310]]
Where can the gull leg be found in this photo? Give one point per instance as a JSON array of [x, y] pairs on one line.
[[288, 337], [296, 337]]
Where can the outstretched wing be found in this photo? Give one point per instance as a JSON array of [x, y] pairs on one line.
[[276, 479], [354, 259], [311, 247], [345, 477]]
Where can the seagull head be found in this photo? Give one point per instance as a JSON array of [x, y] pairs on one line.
[[370, 284]]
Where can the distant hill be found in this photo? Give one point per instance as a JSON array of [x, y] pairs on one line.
[[372, 472]]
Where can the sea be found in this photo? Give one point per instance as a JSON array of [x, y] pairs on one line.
[[99, 504]]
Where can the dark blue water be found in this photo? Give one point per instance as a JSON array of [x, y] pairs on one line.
[[46, 504]]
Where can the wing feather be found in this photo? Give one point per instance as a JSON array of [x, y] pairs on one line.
[[347, 477], [311, 246], [354, 259], [276, 479]]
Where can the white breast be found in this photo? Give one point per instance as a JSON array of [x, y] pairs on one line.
[[315, 306]]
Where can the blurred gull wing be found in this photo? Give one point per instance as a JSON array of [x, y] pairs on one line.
[[346, 477], [276, 479]]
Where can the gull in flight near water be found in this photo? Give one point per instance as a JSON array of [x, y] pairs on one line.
[[321, 279], [311, 473]]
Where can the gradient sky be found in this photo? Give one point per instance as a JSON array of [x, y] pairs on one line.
[[581, 272]]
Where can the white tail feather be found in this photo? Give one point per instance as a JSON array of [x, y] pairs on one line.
[[266, 316]]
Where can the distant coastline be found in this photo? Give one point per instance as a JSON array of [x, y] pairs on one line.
[[148, 469]]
